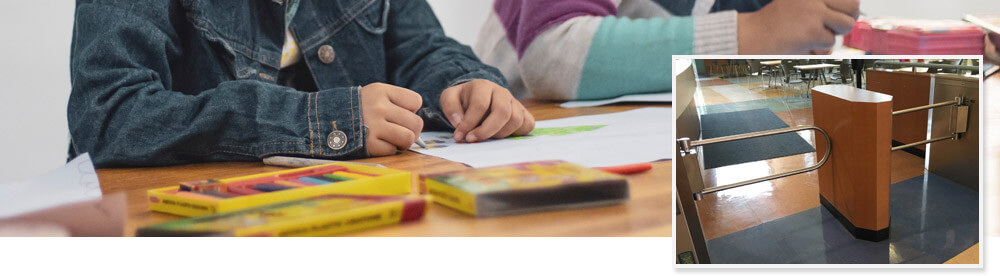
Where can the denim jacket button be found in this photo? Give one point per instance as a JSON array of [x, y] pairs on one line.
[[336, 140], [326, 54]]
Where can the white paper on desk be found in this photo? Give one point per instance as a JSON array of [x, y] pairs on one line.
[[641, 98], [74, 182], [635, 136]]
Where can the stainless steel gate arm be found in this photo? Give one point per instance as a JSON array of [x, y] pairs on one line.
[[687, 145]]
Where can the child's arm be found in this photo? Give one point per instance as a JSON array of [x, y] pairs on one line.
[[125, 112], [449, 77], [581, 49]]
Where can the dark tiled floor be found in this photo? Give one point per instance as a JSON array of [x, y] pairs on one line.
[[933, 220]]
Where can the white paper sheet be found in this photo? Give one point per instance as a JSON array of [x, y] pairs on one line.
[[74, 182], [641, 98], [635, 136]]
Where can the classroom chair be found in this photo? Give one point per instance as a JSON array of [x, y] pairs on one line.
[[846, 74]]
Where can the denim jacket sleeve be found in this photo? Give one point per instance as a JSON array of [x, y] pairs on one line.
[[419, 56], [123, 111]]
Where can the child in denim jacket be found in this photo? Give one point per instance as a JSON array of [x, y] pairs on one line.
[[171, 82]]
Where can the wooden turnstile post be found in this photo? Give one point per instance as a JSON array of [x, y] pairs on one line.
[[854, 184]]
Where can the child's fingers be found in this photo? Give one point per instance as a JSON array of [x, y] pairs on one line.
[[405, 98], [403, 117], [500, 110], [397, 135], [479, 103], [850, 8], [515, 121], [527, 125], [822, 38], [378, 147], [821, 52], [839, 23], [451, 104]]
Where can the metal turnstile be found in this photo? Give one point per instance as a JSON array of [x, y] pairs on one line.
[[690, 185]]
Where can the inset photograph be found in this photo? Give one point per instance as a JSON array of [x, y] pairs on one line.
[[827, 160]]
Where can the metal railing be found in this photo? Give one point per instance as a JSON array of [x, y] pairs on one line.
[[958, 103], [686, 145]]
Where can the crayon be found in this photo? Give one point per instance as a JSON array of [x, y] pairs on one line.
[[245, 189], [270, 187], [351, 175], [314, 180], [293, 183], [420, 142], [202, 185], [628, 169], [336, 178], [315, 171]]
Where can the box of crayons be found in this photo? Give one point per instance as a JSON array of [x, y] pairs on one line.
[[525, 188], [210, 196], [316, 216]]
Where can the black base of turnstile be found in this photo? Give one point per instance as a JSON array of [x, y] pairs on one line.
[[858, 233]]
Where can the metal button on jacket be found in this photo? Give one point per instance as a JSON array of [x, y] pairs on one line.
[[336, 140], [326, 54]]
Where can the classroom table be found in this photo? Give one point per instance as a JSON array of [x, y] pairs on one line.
[[821, 66], [646, 213], [771, 66], [770, 62]]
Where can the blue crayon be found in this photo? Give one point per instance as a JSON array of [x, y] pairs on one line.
[[315, 180], [270, 187]]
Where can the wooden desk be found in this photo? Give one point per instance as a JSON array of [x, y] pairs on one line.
[[772, 69], [647, 213], [770, 62], [821, 66]]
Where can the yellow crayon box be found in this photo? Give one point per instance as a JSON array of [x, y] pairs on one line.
[[210, 196]]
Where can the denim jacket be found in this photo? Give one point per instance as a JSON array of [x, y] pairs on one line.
[[159, 82]]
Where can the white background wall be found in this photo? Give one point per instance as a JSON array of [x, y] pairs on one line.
[[34, 86], [34, 67]]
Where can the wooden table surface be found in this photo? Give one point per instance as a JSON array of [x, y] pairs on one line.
[[816, 66], [646, 213], [770, 62]]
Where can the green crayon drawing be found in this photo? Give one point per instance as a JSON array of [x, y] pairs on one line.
[[557, 131], [443, 141]]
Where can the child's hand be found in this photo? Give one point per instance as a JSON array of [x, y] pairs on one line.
[[795, 26], [992, 51], [481, 109], [390, 113]]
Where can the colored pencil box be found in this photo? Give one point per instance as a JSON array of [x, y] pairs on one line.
[[525, 188], [204, 197], [317, 216], [860, 36], [958, 39], [883, 36]]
